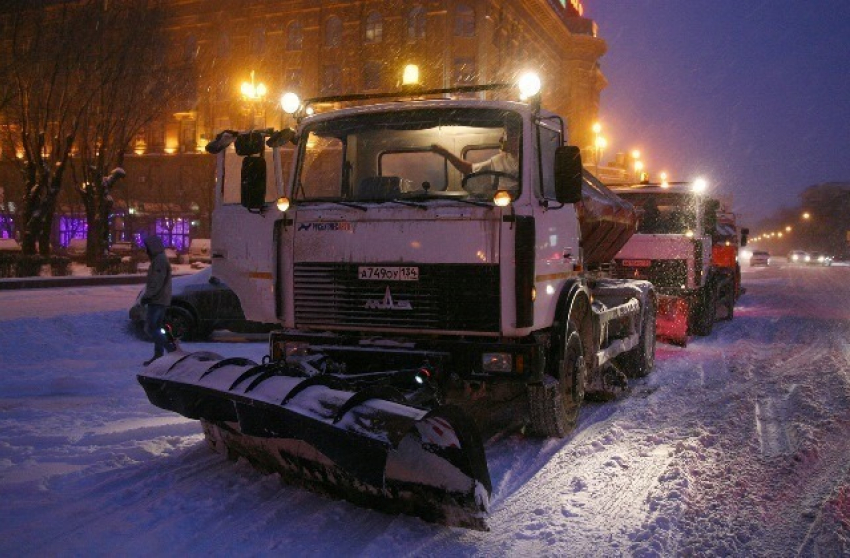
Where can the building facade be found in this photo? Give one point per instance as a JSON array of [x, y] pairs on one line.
[[245, 54]]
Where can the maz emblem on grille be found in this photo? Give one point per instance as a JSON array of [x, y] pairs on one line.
[[387, 303]]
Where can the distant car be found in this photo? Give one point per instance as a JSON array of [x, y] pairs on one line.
[[798, 257], [760, 258], [819, 258], [200, 304]]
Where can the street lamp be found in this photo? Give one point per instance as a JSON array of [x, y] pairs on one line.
[[807, 215], [663, 177], [788, 229], [699, 187], [254, 94]]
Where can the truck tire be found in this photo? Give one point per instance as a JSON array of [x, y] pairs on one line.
[[554, 404], [705, 309], [639, 361]]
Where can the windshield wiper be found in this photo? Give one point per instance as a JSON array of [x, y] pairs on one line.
[[431, 197], [410, 204]]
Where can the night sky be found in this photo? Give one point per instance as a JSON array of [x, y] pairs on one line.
[[754, 95]]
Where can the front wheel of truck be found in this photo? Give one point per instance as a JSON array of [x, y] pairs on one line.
[[555, 402]]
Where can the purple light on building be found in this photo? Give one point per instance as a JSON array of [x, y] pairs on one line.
[[72, 227], [174, 232]]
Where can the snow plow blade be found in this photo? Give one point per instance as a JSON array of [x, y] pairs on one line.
[[331, 434], [671, 321]]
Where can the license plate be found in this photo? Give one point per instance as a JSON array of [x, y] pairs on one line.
[[637, 263], [383, 273]]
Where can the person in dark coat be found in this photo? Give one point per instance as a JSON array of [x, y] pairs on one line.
[[157, 297]]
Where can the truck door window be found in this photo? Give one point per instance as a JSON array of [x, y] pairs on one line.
[[232, 187], [321, 169], [550, 140]]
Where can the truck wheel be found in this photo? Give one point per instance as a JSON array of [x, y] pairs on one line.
[[554, 404], [705, 309], [639, 361]]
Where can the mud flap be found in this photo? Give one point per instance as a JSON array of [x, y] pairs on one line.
[[671, 321]]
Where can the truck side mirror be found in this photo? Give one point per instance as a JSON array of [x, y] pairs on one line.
[[568, 174], [744, 234], [253, 182]]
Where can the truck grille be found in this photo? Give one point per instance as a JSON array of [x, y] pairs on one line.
[[670, 274], [449, 297]]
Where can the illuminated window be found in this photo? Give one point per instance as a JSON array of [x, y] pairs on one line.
[[173, 232], [372, 75], [294, 36], [464, 21], [333, 32], [72, 227], [331, 79], [416, 24], [374, 28]]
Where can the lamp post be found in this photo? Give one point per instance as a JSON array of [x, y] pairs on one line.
[[254, 94], [599, 145]]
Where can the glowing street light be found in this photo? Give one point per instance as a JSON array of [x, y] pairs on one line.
[[788, 229], [807, 215]]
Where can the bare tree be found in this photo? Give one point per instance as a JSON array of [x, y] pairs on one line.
[[136, 86], [88, 76], [51, 92]]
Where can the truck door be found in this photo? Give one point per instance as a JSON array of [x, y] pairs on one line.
[[557, 229], [243, 242]]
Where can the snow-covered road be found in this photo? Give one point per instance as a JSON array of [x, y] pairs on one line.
[[737, 445]]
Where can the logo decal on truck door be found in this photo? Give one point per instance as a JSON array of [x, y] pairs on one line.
[[388, 303]]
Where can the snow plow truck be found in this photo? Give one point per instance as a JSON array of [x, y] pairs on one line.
[[424, 295], [688, 249]]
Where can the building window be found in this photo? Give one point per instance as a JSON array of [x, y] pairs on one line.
[[465, 71], [416, 24], [333, 32], [173, 232], [293, 79], [372, 75], [294, 36], [331, 80], [258, 41], [374, 28], [464, 21]]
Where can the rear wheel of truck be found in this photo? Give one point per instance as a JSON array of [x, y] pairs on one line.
[[639, 361], [554, 404]]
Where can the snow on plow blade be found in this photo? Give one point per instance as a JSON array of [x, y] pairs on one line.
[[368, 445], [671, 321]]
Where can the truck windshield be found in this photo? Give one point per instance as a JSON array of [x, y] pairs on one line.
[[410, 154], [670, 213]]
